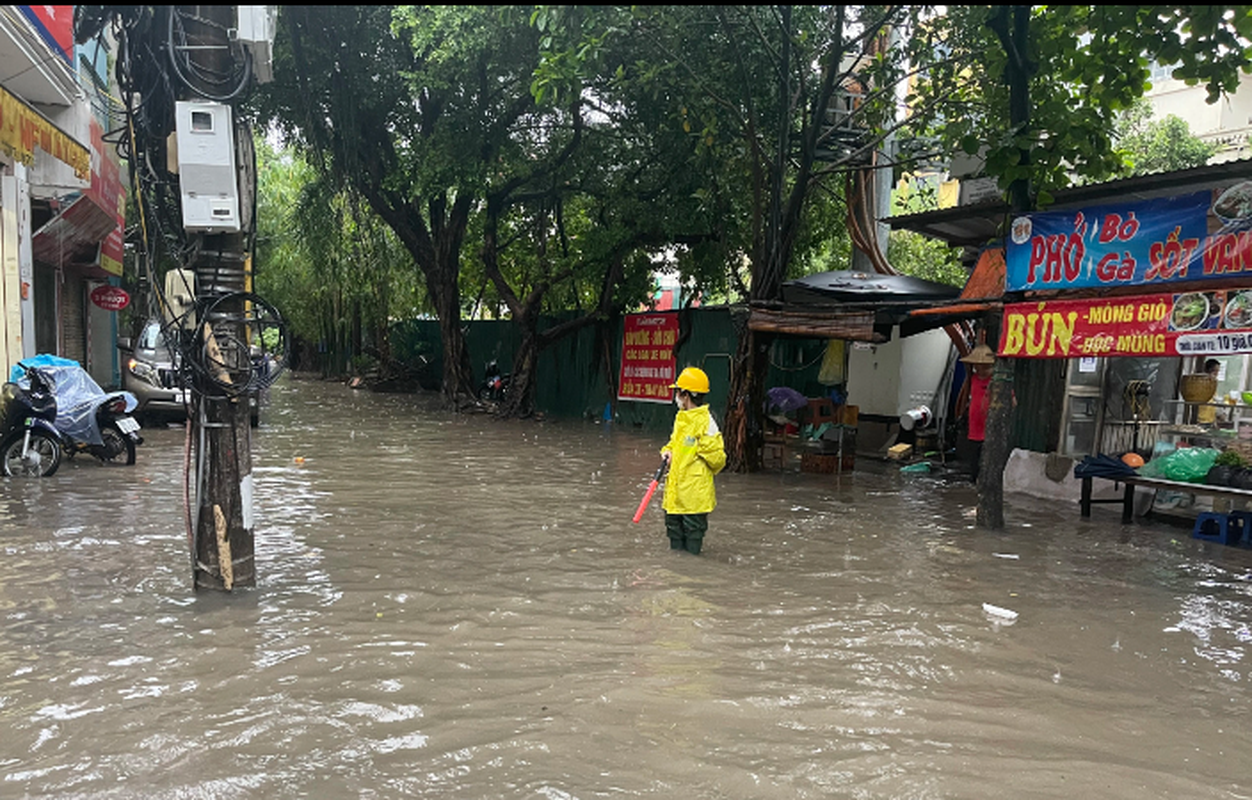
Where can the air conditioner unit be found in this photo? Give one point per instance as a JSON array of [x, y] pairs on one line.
[[206, 166]]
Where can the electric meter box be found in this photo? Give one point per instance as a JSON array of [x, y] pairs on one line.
[[255, 27], [206, 166]]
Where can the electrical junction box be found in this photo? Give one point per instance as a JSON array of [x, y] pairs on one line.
[[180, 296], [206, 166], [254, 27]]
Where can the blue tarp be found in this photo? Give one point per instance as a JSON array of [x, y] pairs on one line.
[[76, 392]]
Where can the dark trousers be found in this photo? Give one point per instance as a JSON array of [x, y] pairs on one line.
[[975, 460], [686, 531]]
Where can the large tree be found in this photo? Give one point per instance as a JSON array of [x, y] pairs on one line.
[[772, 105], [1072, 70], [416, 110]]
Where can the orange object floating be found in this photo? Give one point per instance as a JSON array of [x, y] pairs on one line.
[[299, 459]]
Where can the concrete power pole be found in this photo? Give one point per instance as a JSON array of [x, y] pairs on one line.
[[223, 546]]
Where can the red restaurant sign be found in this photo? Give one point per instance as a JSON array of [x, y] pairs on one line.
[[110, 298], [1183, 324], [648, 357]]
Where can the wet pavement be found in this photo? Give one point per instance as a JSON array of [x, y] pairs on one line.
[[451, 606]]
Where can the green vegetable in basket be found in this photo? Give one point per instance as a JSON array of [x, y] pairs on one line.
[[1229, 458]]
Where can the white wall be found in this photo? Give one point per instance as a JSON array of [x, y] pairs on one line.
[[874, 377], [925, 359], [10, 280], [1227, 122], [888, 379]]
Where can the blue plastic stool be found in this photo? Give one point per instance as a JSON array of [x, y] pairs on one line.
[[1225, 533]]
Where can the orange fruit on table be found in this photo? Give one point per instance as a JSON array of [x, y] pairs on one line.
[[1132, 460]]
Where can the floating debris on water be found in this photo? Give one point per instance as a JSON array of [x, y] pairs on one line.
[[996, 611]]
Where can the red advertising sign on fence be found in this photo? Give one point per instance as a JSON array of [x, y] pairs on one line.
[[648, 358], [1183, 324]]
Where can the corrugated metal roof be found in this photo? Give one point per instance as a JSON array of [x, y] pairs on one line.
[[975, 225], [74, 235]]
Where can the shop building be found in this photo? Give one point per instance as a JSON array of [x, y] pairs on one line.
[[62, 199], [1111, 297]]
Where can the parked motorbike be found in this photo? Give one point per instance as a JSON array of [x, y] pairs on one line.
[[89, 419], [494, 384], [30, 446]]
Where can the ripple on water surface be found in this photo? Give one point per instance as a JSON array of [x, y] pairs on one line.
[[453, 606]]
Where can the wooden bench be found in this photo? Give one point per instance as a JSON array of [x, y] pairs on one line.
[[1131, 481]]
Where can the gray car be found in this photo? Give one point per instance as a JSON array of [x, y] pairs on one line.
[[149, 373]]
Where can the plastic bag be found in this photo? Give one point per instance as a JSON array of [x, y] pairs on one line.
[[831, 373], [1190, 465]]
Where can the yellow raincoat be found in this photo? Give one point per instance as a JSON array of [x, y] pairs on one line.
[[697, 454]]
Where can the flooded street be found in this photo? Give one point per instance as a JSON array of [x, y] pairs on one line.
[[451, 606]]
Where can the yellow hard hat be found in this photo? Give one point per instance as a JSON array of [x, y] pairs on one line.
[[692, 380]]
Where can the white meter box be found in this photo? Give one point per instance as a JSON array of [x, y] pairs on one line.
[[206, 167]]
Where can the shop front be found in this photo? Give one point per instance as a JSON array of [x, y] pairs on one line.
[[1150, 305]]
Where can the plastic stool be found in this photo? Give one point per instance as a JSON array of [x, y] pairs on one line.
[[1225, 531]]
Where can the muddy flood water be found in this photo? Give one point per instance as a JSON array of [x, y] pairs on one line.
[[455, 607]]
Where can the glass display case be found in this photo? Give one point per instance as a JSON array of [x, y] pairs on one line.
[[1083, 408]]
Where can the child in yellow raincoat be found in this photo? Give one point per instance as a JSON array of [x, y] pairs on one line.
[[695, 453]]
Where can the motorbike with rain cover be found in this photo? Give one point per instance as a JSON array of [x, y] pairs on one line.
[[30, 446], [89, 419], [494, 384]]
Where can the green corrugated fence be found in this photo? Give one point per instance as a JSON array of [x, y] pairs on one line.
[[573, 374]]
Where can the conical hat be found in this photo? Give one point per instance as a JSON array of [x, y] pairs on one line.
[[981, 354]]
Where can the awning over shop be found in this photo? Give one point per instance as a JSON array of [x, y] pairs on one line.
[[88, 233], [855, 306], [983, 292], [73, 237], [845, 286], [856, 326]]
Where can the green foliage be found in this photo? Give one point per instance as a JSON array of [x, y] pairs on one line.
[[1159, 145], [1086, 65], [736, 98], [325, 259], [923, 257]]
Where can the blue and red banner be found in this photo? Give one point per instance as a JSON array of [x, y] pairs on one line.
[[56, 26], [1148, 243]]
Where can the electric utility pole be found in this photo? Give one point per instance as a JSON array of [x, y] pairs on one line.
[[224, 546], [180, 72]]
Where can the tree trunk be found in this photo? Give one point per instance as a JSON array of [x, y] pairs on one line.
[[746, 398], [458, 376], [995, 450], [519, 396]]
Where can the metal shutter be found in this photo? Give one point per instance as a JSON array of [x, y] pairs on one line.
[[74, 318]]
